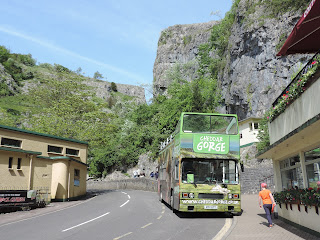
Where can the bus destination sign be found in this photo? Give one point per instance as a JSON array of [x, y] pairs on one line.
[[218, 144]]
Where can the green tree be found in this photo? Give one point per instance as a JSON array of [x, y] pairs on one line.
[[4, 54], [97, 75], [114, 87]]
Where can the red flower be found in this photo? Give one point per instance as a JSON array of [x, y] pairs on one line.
[[314, 62], [310, 188]]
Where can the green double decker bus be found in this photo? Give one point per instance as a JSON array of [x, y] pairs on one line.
[[198, 164]]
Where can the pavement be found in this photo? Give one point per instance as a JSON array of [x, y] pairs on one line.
[[253, 224]]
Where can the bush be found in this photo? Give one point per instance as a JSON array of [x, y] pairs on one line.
[[61, 69], [4, 54], [114, 87]]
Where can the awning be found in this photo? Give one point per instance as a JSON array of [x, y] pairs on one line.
[[305, 37]]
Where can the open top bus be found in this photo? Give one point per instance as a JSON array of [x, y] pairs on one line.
[[198, 164]]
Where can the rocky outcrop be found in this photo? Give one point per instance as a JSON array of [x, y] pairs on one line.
[[253, 77], [103, 90], [179, 44], [6, 79]]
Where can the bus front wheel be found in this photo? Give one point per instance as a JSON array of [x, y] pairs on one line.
[[160, 196]]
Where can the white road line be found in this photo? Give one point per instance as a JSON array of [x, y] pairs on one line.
[[223, 230], [85, 222], [122, 236], [40, 215], [125, 203], [124, 193], [146, 225], [129, 196], [159, 217]]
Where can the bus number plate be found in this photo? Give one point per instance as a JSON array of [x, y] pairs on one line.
[[210, 207]]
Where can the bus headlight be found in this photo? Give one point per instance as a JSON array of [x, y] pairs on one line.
[[187, 195], [233, 196]]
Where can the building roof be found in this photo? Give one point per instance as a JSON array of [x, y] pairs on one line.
[[249, 119], [41, 134], [20, 150]]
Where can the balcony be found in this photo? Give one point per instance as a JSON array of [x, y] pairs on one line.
[[294, 117]]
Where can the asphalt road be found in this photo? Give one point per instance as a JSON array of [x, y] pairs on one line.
[[113, 215]]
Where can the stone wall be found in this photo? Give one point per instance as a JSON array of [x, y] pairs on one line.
[[143, 183], [255, 172]]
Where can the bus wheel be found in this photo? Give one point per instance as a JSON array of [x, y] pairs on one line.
[[160, 196]]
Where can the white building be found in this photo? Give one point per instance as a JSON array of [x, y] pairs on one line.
[[248, 129]]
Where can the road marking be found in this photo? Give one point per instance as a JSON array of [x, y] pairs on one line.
[[159, 217], [129, 196], [223, 230], [40, 215], [146, 225], [122, 236], [85, 222], [125, 203], [124, 193]]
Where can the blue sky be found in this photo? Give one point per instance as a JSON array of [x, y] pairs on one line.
[[118, 38]]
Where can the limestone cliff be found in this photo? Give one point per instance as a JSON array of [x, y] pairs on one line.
[[179, 44], [253, 76]]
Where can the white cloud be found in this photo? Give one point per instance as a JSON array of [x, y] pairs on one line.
[[44, 43]]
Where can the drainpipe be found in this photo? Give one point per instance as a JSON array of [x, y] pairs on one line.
[[30, 172], [69, 177], [303, 169]]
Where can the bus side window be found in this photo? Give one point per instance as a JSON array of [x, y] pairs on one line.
[[176, 170]]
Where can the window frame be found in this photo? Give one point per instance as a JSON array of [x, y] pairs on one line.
[[10, 163], [54, 152], [19, 164], [10, 145]]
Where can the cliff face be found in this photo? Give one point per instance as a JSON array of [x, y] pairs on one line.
[[179, 44], [253, 77]]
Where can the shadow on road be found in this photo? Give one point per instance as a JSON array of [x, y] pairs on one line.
[[200, 214]]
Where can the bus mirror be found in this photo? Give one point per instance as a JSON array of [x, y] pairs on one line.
[[242, 167]]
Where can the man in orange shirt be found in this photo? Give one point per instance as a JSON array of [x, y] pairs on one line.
[[267, 200]]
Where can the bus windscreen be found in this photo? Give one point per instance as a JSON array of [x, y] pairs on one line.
[[208, 171], [209, 124]]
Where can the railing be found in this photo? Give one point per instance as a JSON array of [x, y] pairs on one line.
[[304, 70]]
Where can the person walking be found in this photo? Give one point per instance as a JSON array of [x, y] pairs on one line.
[[266, 199]]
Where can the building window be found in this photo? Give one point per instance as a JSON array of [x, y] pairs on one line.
[[10, 142], [250, 126], [291, 173], [256, 126], [312, 159], [10, 162], [76, 172], [241, 135], [19, 163], [54, 149], [73, 152], [76, 177]]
